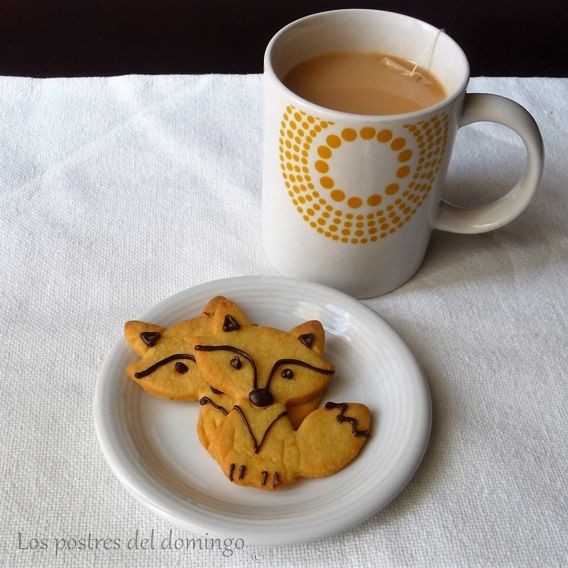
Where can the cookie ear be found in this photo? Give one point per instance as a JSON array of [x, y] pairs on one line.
[[228, 317], [311, 334], [141, 336], [211, 307]]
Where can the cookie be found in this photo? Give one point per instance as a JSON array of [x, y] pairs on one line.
[[264, 372], [167, 367], [297, 412]]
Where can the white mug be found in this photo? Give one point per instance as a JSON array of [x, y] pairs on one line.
[[350, 200]]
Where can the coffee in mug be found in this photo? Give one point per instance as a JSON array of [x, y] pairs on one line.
[[364, 82]]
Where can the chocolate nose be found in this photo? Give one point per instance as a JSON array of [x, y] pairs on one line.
[[261, 397]]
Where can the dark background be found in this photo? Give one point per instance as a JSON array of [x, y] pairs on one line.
[[107, 37]]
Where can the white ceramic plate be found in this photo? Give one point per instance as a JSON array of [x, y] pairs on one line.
[[152, 444]]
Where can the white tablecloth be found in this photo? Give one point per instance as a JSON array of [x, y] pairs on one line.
[[116, 193]]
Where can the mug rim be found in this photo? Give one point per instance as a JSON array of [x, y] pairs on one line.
[[269, 71]]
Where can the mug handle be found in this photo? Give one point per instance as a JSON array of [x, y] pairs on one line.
[[479, 107]]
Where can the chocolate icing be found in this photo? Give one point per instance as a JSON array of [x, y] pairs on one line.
[[231, 471], [216, 391], [181, 368], [165, 361], [295, 362], [276, 479], [287, 374], [307, 339], [257, 445], [261, 397], [232, 349], [264, 477], [341, 418], [206, 400], [230, 324], [242, 470], [150, 337], [236, 363]]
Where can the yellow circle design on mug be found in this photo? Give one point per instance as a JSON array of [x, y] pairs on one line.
[[333, 211]]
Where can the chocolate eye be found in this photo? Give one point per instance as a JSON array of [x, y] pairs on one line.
[[181, 368], [287, 374], [236, 363]]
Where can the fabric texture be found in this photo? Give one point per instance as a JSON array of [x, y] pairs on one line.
[[116, 193]]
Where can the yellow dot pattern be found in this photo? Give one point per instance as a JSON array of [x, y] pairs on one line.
[[431, 137], [335, 212]]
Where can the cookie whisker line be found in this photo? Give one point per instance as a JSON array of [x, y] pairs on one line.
[[158, 364], [232, 349], [295, 362]]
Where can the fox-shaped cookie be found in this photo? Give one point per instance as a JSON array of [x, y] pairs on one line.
[[167, 369], [264, 371]]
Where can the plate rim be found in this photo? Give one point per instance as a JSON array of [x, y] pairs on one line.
[[116, 462]]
